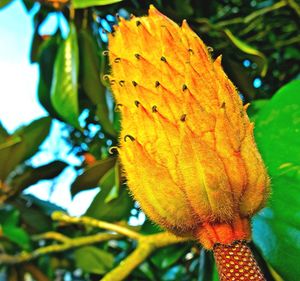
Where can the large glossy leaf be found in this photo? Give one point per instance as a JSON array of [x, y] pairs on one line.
[[31, 138], [46, 58], [90, 77], [64, 89], [32, 175], [277, 227], [114, 210], [93, 260], [92, 175], [79, 4]]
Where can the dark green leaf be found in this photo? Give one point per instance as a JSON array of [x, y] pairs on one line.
[[64, 89], [167, 256], [46, 206], [9, 216], [91, 176], [31, 138], [32, 216], [276, 228], [79, 4], [114, 210], [90, 77], [32, 175], [93, 260], [114, 192], [46, 57]]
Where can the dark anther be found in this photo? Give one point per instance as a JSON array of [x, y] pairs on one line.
[[121, 83], [163, 59], [130, 137], [117, 107], [113, 33], [118, 17], [137, 56], [112, 82], [191, 51], [157, 84], [105, 53], [154, 108], [223, 104], [184, 87], [138, 23], [134, 83], [116, 60], [183, 117], [137, 103], [131, 16]]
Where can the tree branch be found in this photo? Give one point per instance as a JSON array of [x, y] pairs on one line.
[[147, 245], [63, 217], [67, 245]]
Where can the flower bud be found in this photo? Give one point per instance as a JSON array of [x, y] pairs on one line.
[[186, 142]]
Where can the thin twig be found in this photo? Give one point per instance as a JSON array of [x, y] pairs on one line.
[[63, 217]]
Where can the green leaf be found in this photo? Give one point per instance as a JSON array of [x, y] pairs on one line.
[[32, 137], [255, 107], [277, 228], [10, 141], [64, 89], [92, 175], [4, 3], [79, 4], [46, 58], [17, 235], [93, 260], [33, 217], [113, 210], [9, 216], [168, 256], [46, 206], [90, 77], [32, 175], [249, 50], [115, 191], [277, 129], [3, 133]]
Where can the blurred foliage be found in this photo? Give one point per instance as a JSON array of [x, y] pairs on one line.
[[259, 41]]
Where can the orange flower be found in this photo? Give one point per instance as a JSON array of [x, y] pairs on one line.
[[186, 144]]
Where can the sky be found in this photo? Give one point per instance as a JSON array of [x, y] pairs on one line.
[[19, 104]]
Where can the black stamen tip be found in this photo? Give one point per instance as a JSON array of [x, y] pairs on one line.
[[184, 87], [154, 108], [157, 84], [137, 56], [130, 137], [138, 23], [134, 83], [191, 51], [223, 104], [121, 83], [163, 59], [137, 103], [116, 60], [183, 117]]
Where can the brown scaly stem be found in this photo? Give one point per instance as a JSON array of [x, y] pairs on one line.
[[236, 262]]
